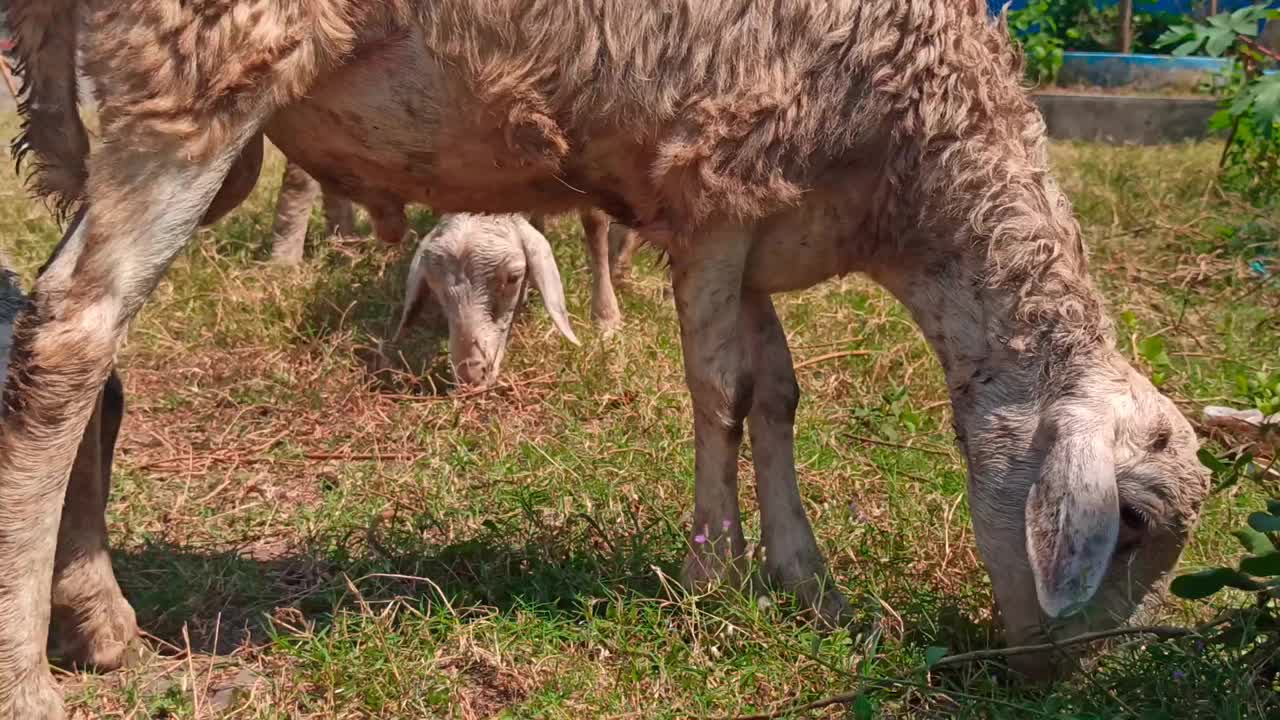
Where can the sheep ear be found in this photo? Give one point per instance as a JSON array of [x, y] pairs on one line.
[[417, 293], [1073, 515], [541, 266]]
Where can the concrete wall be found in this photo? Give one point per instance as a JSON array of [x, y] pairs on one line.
[[1120, 119]]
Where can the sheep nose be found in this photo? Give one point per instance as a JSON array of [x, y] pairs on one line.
[[473, 373]]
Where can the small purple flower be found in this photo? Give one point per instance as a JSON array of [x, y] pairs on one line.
[[700, 538], [1178, 675], [725, 525]]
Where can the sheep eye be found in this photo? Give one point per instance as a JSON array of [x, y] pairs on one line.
[[1132, 517], [1161, 441]]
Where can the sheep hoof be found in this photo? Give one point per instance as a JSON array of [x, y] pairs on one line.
[[829, 605], [608, 327], [706, 571], [102, 640], [36, 697], [286, 259]]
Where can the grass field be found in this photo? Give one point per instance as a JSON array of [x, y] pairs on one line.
[[309, 529]]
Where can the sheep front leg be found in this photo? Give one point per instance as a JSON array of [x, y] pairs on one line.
[[604, 303], [92, 625], [792, 557], [142, 209], [707, 281]]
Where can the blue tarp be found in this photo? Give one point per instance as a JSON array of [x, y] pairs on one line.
[[1178, 6]]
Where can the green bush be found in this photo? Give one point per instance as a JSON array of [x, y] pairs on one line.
[[1250, 99], [1036, 30]]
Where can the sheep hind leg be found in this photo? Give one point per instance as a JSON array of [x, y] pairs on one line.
[[297, 195], [141, 210], [92, 624], [622, 245], [604, 303], [707, 280], [339, 215], [792, 557]]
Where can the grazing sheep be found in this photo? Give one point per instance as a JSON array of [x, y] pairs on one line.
[[609, 245], [476, 270], [764, 146]]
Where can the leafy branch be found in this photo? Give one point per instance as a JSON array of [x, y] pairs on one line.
[[1251, 111]]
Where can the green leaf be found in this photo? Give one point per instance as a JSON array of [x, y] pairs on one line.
[[1264, 566], [1153, 349], [1211, 461], [1266, 100], [1244, 21], [1219, 43], [933, 654], [1241, 103], [1264, 522], [1241, 462], [1199, 585], [1273, 507], [863, 708], [1174, 35], [1247, 28], [1188, 47], [1221, 120], [1242, 384], [1254, 542]]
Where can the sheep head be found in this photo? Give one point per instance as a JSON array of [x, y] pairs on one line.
[[475, 270], [1082, 504]]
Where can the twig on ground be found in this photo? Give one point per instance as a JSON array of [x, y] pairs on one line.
[[832, 356], [223, 459], [1162, 632], [902, 446], [1124, 232], [503, 386]]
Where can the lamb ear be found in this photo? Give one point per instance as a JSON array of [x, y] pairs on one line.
[[541, 267], [1073, 516], [417, 293]]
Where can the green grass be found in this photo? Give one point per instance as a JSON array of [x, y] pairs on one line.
[[297, 513]]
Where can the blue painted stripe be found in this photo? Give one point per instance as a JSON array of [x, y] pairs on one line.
[[1176, 6], [1105, 69], [1169, 62]]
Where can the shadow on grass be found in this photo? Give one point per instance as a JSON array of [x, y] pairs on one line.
[[559, 573], [225, 598]]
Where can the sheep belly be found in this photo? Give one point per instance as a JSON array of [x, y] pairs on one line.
[[390, 128], [823, 238]]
